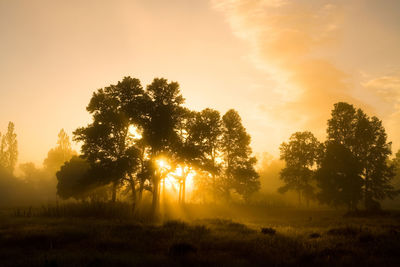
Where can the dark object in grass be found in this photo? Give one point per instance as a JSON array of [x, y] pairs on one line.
[[344, 231], [268, 231], [393, 231], [366, 238], [314, 235], [182, 249]]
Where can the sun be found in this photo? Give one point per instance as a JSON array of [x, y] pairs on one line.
[[162, 164]]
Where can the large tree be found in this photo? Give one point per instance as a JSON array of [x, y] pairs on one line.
[[200, 140], [301, 155], [366, 138], [189, 152], [161, 128], [105, 142], [338, 177], [396, 165], [208, 132], [239, 172]]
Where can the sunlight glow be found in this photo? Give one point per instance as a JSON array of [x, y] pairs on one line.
[[177, 175], [174, 177], [134, 132], [163, 164]]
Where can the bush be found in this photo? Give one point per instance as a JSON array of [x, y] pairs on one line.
[[268, 231]]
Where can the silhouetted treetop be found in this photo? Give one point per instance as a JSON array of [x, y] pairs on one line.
[[9, 148]]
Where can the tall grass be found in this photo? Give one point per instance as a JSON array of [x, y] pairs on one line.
[[92, 209]]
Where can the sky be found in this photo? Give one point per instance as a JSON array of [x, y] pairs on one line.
[[281, 63]]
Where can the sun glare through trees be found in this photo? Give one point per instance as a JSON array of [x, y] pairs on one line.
[[200, 133]]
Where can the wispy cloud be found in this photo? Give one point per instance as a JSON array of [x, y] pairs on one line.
[[288, 40]]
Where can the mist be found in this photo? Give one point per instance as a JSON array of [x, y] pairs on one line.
[[191, 133]]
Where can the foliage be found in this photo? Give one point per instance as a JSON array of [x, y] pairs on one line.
[[239, 171], [9, 148], [339, 177], [106, 141], [73, 178], [366, 138], [168, 132], [301, 155], [57, 156]]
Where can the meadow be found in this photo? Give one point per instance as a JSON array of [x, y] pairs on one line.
[[91, 234]]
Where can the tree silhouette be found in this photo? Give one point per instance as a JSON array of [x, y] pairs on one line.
[[57, 156], [189, 152], [396, 166], [207, 133], [106, 142], [9, 149], [366, 138], [339, 177], [73, 178], [163, 113], [239, 174], [301, 155], [141, 136]]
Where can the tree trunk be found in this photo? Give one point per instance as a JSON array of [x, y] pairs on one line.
[[114, 192], [213, 177], [299, 198], [180, 192], [141, 186], [163, 190], [367, 193], [183, 190], [214, 189], [155, 202], [133, 192]]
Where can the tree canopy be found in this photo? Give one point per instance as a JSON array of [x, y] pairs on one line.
[[301, 155], [134, 131], [354, 164]]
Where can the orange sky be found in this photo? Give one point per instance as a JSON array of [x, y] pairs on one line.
[[280, 63]]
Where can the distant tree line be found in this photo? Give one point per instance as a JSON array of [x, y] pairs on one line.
[[351, 165], [139, 135], [33, 185]]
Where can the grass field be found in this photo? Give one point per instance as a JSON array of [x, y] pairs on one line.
[[234, 236]]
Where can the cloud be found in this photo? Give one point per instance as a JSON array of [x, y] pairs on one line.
[[289, 41], [386, 92], [387, 87]]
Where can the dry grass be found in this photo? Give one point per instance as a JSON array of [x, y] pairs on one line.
[[300, 238]]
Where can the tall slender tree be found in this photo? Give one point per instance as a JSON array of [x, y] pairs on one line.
[[239, 174], [9, 148], [208, 133]]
